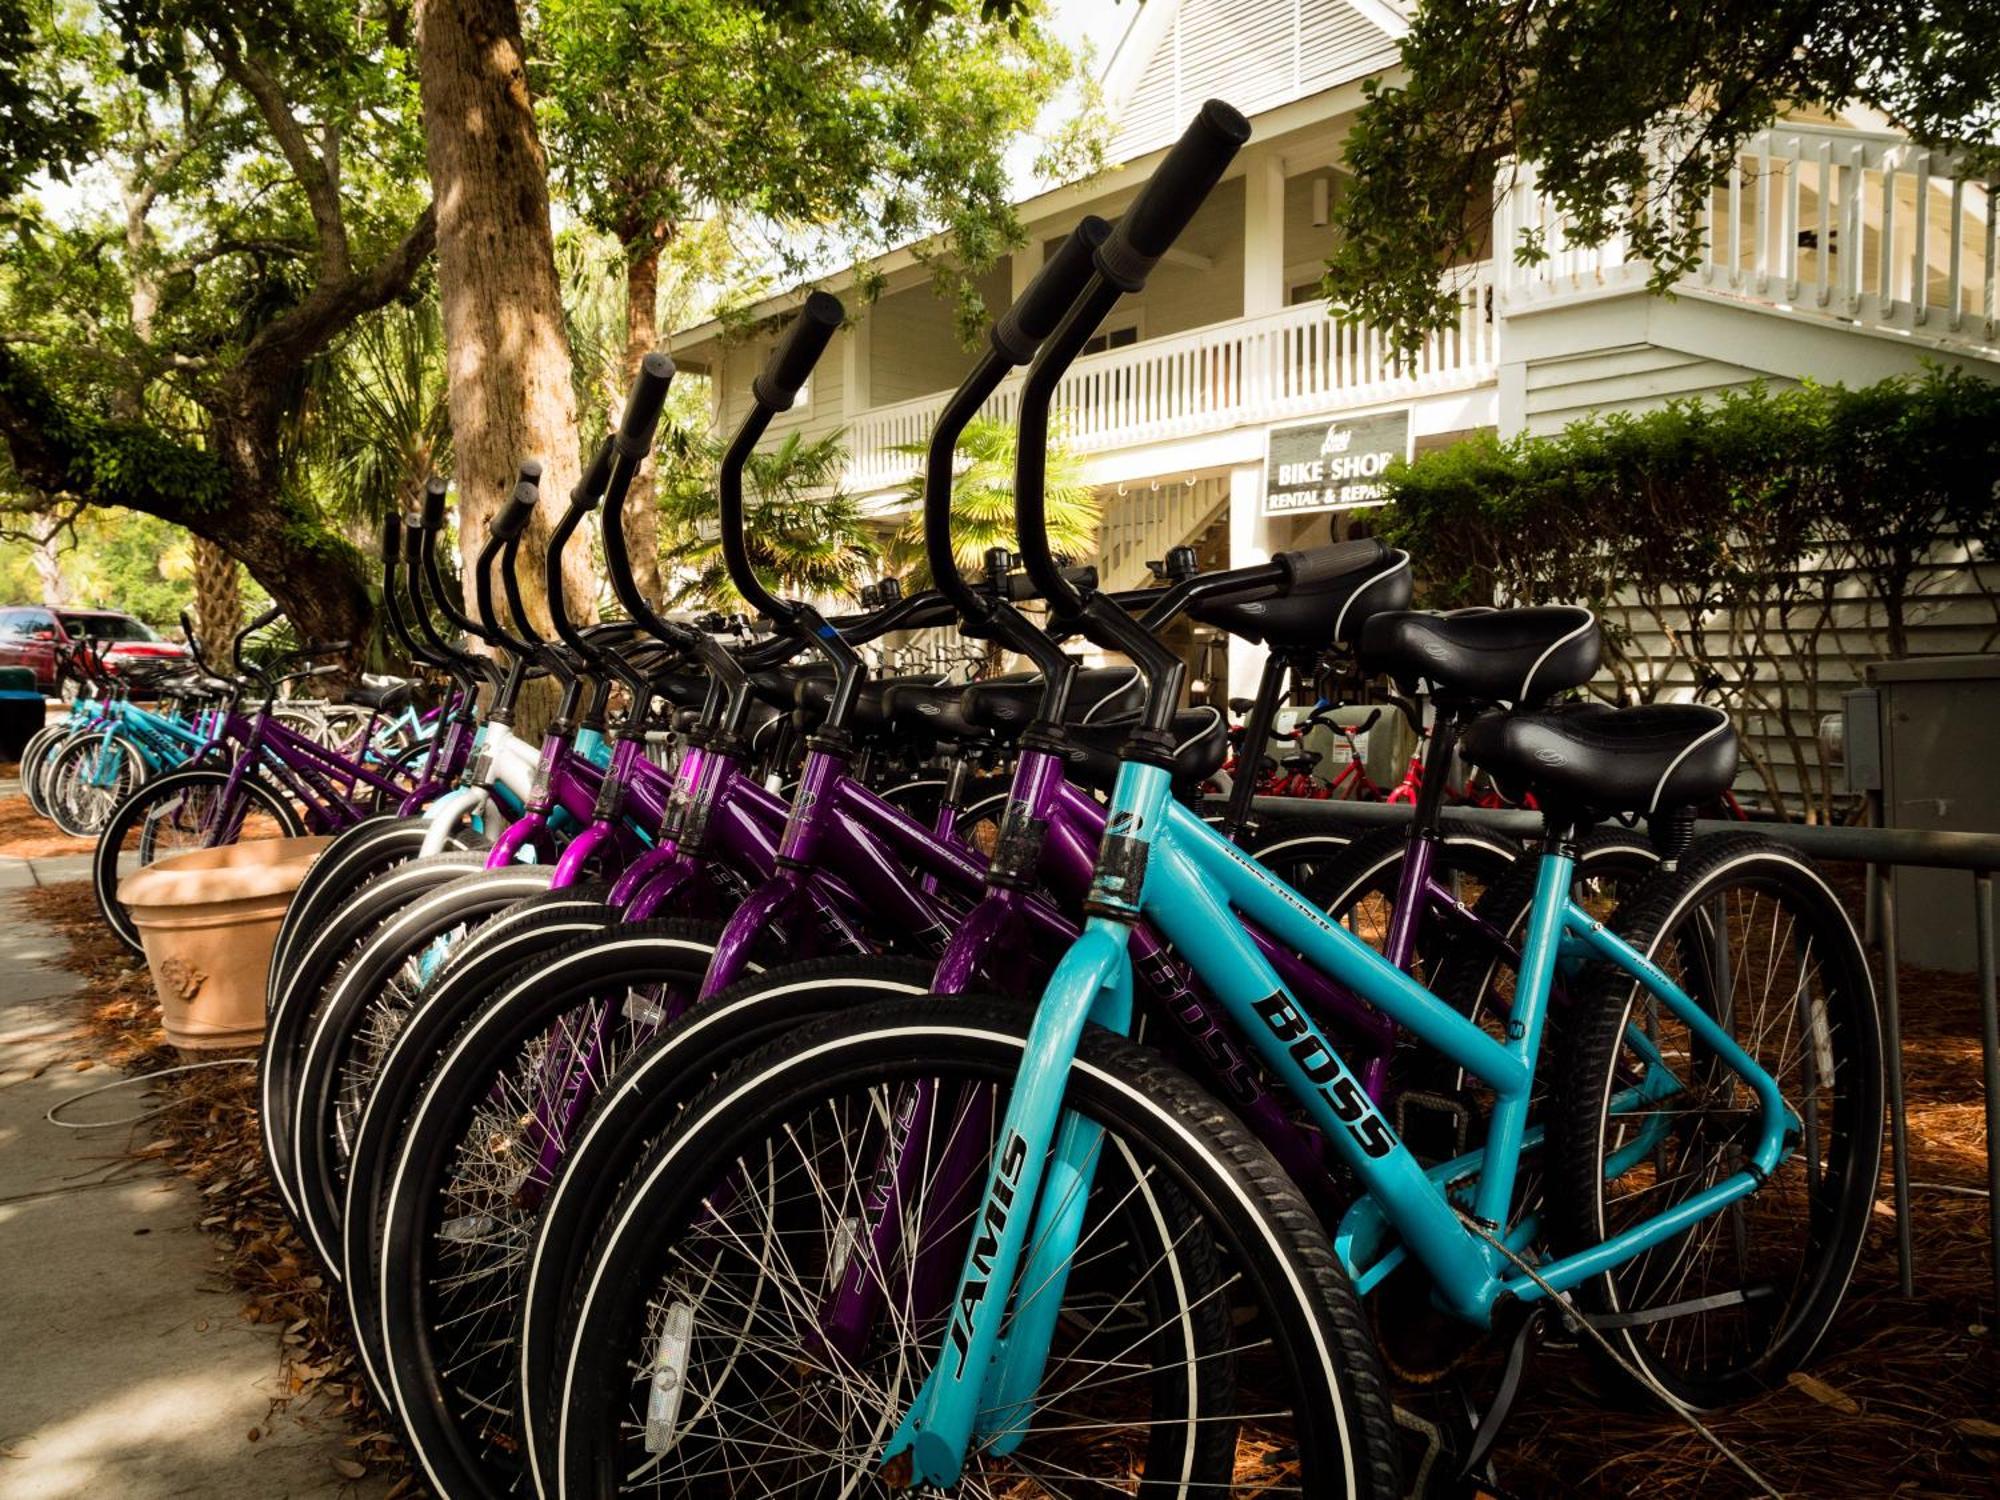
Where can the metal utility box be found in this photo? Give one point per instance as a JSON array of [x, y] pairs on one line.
[[1931, 753]]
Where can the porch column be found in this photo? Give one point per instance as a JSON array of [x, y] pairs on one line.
[[855, 344], [1024, 262], [1249, 542], [1264, 236]]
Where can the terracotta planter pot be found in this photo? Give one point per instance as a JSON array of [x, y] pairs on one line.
[[208, 919]]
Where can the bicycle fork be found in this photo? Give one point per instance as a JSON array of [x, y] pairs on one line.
[[982, 1386]]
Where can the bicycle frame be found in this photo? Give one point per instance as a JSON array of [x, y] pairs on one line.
[[306, 771], [1162, 862]]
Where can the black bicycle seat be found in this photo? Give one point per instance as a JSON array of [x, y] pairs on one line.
[[1200, 747], [1328, 612], [1516, 656], [1639, 760], [1099, 695]]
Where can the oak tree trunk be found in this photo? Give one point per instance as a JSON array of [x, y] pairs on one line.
[[507, 352], [642, 336]]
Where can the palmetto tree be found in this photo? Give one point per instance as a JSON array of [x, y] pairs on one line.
[[806, 535], [376, 423], [982, 502]]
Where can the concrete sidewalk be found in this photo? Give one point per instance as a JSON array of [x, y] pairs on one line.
[[124, 1367]]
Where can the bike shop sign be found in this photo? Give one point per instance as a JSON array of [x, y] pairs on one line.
[[1333, 465]]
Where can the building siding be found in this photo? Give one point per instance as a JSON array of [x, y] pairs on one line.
[[1254, 53]]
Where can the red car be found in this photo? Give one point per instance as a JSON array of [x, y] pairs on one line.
[[34, 637]]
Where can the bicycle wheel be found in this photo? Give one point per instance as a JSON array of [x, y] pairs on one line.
[[1736, 1301], [179, 811], [491, 1125], [356, 1019], [316, 963], [1358, 887], [354, 857], [627, 1120], [89, 777], [1207, 1341], [1297, 849], [34, 761]]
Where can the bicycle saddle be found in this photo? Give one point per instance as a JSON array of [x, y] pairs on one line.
[[1607, 759], [779, 686], [1200, 746], [1324, 613], [682, 689], [1519, 656], [1099, 695], [871, 714], [934, 710], [385, 694]]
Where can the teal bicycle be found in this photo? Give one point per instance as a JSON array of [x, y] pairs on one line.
[[1091, 1278]]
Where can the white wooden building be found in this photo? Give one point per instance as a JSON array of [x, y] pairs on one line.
[[1840, 250]]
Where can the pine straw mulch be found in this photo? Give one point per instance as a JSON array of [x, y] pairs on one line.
[[209, 1136], [1902, 1399], [25, 834]]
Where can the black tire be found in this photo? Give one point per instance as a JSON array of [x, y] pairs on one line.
[[402, 769], [34, 756], [1357, 887], [173, 803], [1297, 849], [80, 811], [1199, 1208], [478, 969], [477, 1153], [627, 1119], [346, 864], [317, 958], [357, 1019], [1792, 1244]]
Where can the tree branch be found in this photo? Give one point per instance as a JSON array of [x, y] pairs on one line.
[[304, 331], [308, 166]]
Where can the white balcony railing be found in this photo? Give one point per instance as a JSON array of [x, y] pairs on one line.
[[1865, 228], [1298, 362]]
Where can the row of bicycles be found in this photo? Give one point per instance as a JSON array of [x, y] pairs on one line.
[[791, 1079], [124, 729]]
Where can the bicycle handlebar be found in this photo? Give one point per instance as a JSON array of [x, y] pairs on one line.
[[777, 384], [1166, 204]]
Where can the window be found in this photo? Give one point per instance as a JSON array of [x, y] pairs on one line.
[[27, 625], [1113, 338], [108, 628]]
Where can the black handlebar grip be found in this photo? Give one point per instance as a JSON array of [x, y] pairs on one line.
[[1179, 186], [413, 540], [1313, 565], [434, 493], [264, 619], [187, 625], [513, 517], [1035, 313], [642, 407], [392, 539], [777, 384], [529, 471]]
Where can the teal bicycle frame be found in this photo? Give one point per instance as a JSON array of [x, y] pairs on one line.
[[1161, 861]]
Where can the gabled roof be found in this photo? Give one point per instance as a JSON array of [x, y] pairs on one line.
[[1257, 54]]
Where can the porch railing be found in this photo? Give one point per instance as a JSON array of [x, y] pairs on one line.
[[1864, 228], [1298, 362]]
